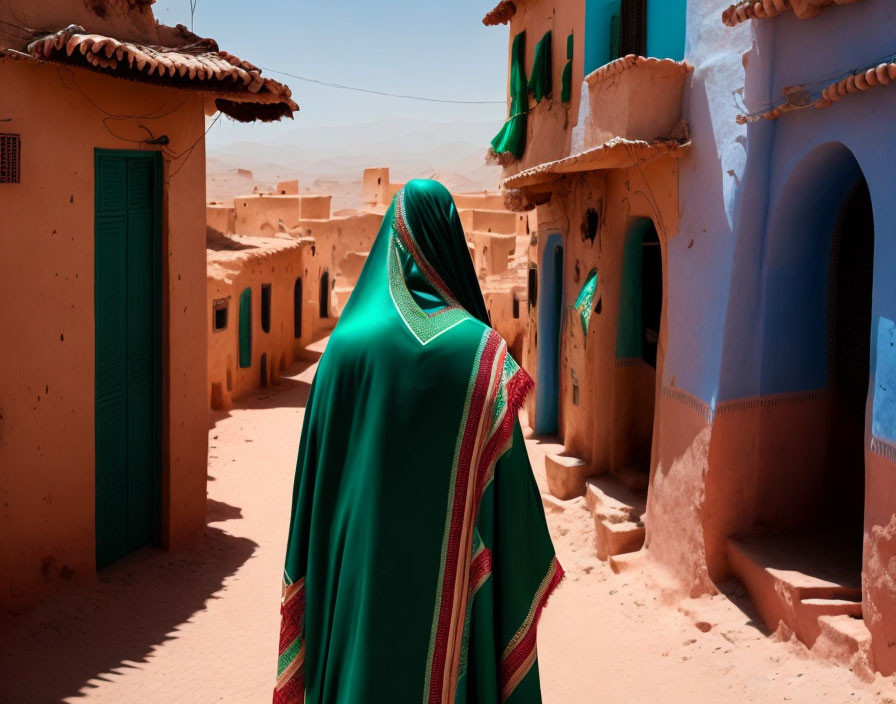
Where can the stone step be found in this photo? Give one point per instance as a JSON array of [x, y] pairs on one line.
[[618, 516], [566, 475], [627, 562], [847, 640], [819, 608], [798, 580]]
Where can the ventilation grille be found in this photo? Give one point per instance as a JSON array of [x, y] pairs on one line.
[[10, 158]]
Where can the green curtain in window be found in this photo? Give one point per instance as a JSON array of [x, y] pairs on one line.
[[540, 84], [512, 137], [245, 341], [585, 301], [566, 77]]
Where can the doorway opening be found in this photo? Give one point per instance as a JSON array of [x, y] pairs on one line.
[[637, 341], [325, 295], [297, 308], [849, 345], [128, 356], [244, 338], [266, 307], [631, 33], [550, 318], [802, 560], [618, 499]]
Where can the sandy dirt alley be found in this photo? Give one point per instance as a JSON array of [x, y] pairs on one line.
[[201, 626]]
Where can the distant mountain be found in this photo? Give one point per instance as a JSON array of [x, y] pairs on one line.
[[331, 158]]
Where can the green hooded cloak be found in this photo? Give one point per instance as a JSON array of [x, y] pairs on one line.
[[418, 559]]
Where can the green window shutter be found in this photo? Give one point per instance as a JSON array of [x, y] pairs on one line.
[[540, 82], [512, 137], [246, 328], [566, 77]]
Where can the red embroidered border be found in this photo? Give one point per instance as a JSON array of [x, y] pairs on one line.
[[292, 615], [518, 388], [292, 623], [477, 403], [293, 692], [524, 649], [480, 569]]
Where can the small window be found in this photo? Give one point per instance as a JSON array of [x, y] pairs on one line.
[[266, 307], [590, 223], [220, 308], [10, 158], [516, 308]]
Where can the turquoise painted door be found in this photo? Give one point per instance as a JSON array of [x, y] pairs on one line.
[[128, 351], [245, 336], [550, 322]]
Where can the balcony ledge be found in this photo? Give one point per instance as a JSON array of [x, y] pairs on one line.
[[634, 98], [617, 153], [633, 62]]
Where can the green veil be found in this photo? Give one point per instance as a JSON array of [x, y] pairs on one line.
[[418, 558]]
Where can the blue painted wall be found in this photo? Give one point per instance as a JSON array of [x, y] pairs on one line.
[[666, 28], [748, 269], [550, 318], [598, 14]]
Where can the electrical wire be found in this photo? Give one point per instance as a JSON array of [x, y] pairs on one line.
[[814, 89], [382, 92], [189, 150]]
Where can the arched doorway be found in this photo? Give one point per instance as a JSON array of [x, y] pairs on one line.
[[550, 317], [849, 345], [325, 295], [637, 340], [801, 542], [297, 308]]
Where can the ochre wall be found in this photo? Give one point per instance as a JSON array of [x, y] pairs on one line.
[[267, 261], [47, 394], [591, 428], [264, 214], [549, 122]]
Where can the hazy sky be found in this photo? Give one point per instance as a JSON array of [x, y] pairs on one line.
[[435, 48]]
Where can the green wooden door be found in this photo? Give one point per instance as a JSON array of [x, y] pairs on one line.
[[128, 351], [245, 336]]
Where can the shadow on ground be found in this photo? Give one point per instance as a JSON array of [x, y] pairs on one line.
[[92, 632], [289, 391]]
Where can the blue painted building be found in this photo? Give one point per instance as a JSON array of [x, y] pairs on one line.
[[785, 308], [763, 402]]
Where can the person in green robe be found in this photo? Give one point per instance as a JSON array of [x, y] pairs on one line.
[[418, 559]]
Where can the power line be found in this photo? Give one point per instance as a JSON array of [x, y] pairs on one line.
[[382, 92]]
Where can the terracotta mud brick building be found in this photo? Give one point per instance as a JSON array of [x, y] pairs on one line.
[[103, 411]]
